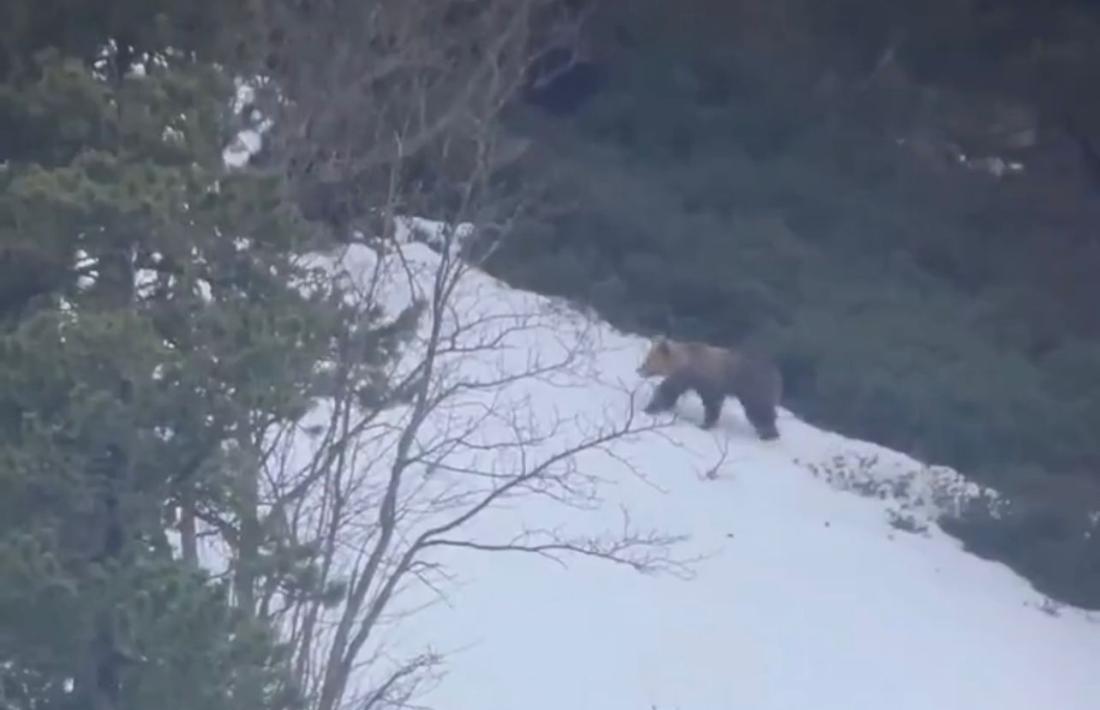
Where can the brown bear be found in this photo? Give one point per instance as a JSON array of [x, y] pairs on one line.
[[715, 373]]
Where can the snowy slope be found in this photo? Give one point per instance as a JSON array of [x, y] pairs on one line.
[[807, 596]]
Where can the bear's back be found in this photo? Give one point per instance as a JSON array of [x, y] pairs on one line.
[[741, 371], [710, 362], [738, 371]]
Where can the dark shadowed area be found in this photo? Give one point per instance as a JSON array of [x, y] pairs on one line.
[[901, 199]]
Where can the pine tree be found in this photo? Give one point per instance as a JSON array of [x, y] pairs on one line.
[[151, 332]]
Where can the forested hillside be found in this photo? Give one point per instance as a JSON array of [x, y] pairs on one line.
[[233, 440], [901, 199], [164, 335]]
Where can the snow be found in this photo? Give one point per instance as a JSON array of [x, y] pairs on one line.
[[805, 596]]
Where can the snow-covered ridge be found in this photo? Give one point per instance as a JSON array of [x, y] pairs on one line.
[[909, 488], [804, 596], [801, 595]]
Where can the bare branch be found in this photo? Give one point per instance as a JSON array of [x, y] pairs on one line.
[[379, 111]]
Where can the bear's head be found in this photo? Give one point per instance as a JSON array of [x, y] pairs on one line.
[[660, 360]]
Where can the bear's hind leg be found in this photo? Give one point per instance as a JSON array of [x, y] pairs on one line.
[[762, 417], [667, 393]]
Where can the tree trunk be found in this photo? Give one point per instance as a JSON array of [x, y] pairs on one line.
[[188, 528], [248, 544]]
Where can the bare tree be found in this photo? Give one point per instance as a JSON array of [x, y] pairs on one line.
[[383, 492], [378, 111], [393, 104]]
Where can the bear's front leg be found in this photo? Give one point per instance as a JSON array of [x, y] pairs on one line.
[[667, 393], [712, 406]]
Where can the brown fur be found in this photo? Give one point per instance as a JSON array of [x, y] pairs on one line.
[[715, 373]]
